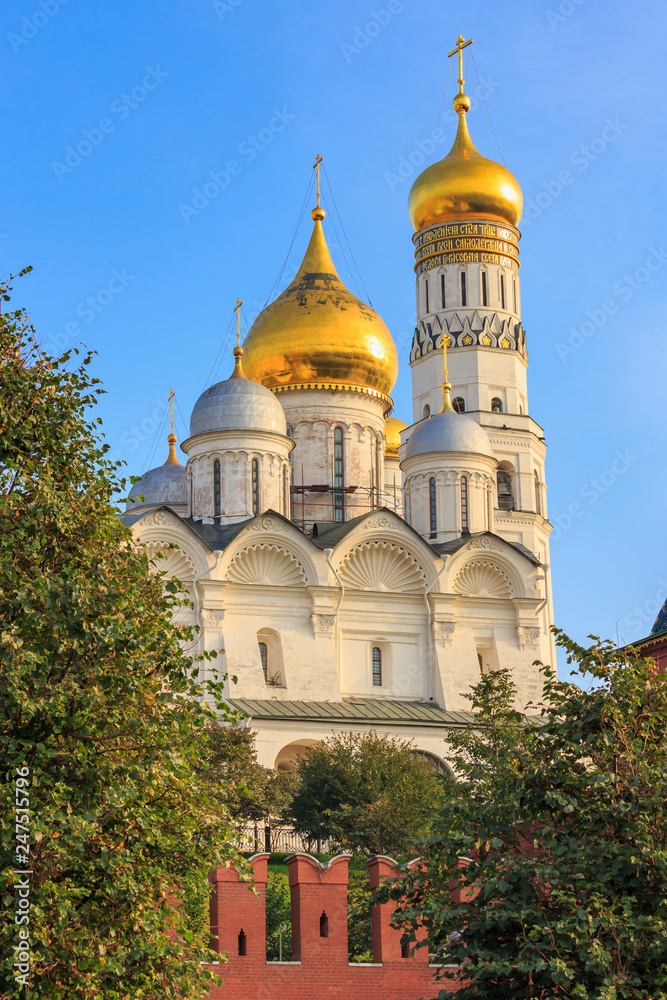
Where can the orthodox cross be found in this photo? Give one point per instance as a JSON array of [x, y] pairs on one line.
[[237, 310], [316, 167], [170, 397], [459, 47]]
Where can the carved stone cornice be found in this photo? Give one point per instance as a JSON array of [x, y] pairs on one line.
[[528, 636], [212, 618], [323, 624], [443, 632]]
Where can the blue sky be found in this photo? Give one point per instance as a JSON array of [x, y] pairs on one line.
[[165, 93]]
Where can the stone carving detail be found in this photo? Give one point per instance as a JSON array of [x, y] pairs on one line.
[[175, 562], [213, 619], [382, 521], [444, 632], [480, 578], [267, 523], [268, 565], [323, 623], [485, 542], [157, 517], [382, 566], [528, 637]]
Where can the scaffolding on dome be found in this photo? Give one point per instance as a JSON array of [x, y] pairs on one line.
[[343, 503]]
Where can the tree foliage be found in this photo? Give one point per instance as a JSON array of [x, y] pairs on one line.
[[548, 874], [245, 789], [100, 703], [366, 793]]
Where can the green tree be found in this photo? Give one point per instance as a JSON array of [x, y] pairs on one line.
[[101, 706], [555, 843], [366, 793], [245, 789]]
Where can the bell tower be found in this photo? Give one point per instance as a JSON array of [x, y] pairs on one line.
[[465, 210]]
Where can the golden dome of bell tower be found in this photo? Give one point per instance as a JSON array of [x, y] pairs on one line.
[[464, 184]]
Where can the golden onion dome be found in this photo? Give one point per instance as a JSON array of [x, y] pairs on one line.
[[392, 434], [317, 334], [464, 184]]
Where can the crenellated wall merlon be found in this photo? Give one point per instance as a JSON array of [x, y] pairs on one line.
[[319, 968]]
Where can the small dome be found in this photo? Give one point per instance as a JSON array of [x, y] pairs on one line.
[[464, 184], [448, 431], [237, 404], [164, 485], [392, 433]]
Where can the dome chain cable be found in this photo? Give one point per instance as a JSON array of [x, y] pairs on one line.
[[487, 110], [218, 358], [158, 434], [444, 89], [341, 247], [186, 432], [276, 283], [368, 298]]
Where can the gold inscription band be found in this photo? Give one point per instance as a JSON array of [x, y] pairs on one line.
[[465, 257], [467, 243], [454, 229]]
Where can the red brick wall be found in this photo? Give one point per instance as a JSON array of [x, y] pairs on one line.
[[320, 969]]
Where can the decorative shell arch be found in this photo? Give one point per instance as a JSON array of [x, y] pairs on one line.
[[482, 578], [267, 564], [384, 567], [163, 558]]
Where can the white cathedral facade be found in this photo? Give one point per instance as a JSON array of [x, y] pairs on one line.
[[357, 572]]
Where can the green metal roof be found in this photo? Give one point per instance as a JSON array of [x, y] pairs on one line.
[[370, 711]]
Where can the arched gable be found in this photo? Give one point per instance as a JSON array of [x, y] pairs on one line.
[[396, 549], [270, 547], [160, 528], [488, 566]]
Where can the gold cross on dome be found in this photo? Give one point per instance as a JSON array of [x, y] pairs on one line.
[[237, 310], [459, 47], [316, 166], [170, 397]]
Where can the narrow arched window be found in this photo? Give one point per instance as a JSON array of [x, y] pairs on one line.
[[502, 291], [443, 291], [286, 493], [426, 412], [489, 510], [426, 294], [459, 404], [377, 666], [264, 657], [496, 405], [514, 292], [464, 288], [464, 503], [432, 505], [243, 943], [405, 949], [216, 488], [485, 289], [339, 475], [538, 494], [255, 486], [324, 925]]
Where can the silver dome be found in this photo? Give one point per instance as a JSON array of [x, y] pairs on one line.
[[164, 485], [237, 404], [448, 431]]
